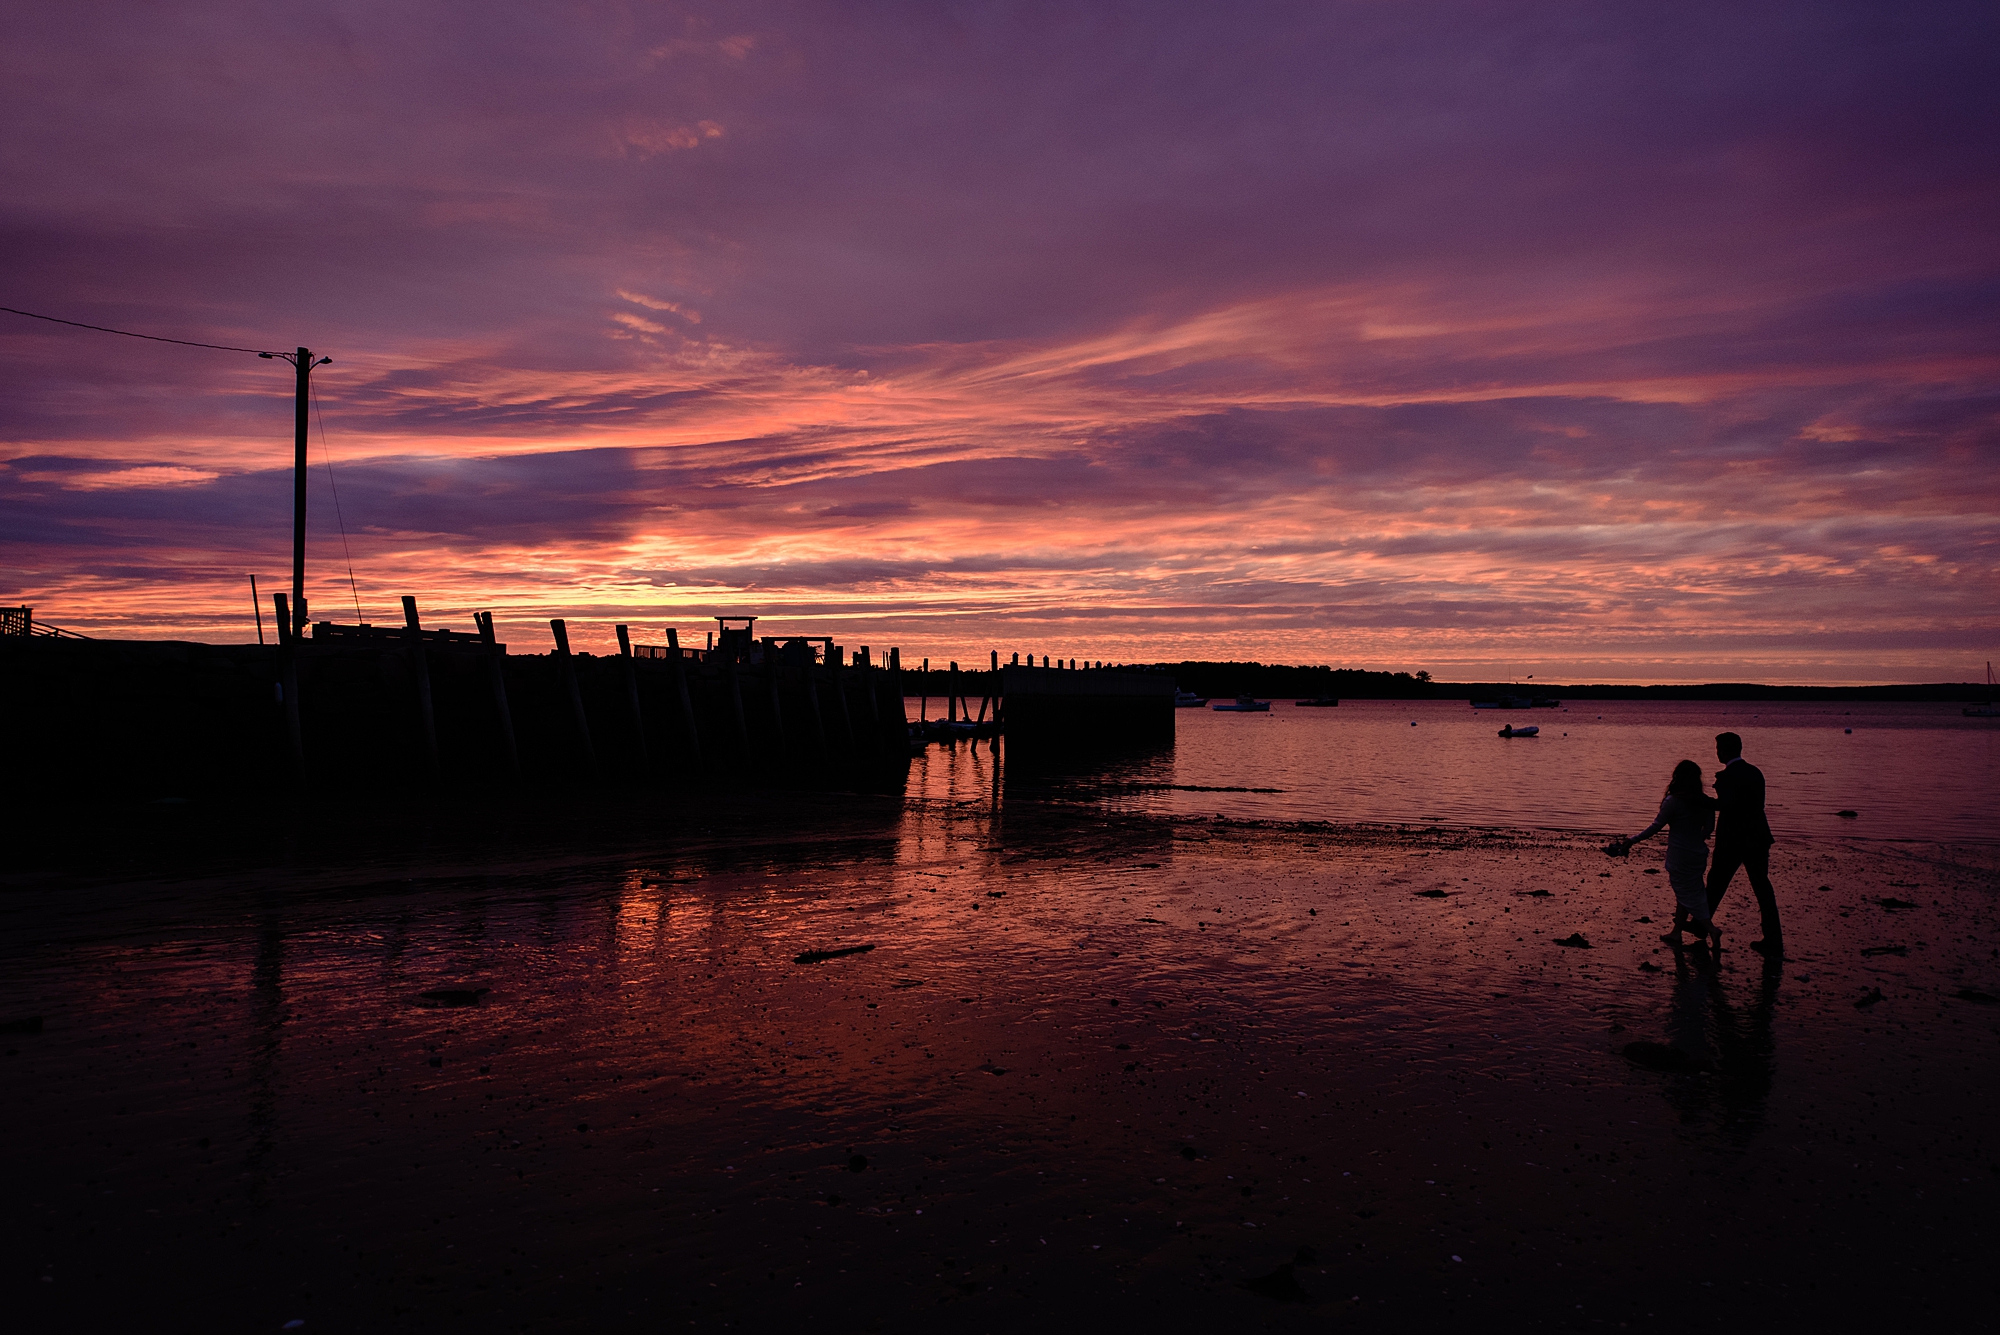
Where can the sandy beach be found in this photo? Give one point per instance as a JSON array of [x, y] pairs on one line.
[[1138, 1069]]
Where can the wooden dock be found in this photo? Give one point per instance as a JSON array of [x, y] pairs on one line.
[[1057, 711], [363, 710]]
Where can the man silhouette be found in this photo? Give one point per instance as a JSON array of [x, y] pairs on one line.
[[1743, 839]]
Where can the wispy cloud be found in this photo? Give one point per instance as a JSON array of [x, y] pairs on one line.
[[1427, 336]]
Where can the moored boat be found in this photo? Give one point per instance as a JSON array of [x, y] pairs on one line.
[[1189, 700], [1320, 702], [1511, 731], [1989, 709], [1244, 705]]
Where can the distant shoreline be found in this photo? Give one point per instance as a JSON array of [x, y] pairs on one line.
[[1286, 682], [1915, 693]]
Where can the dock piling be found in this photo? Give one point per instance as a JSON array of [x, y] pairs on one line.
[[496, 680], [735, 682], [833, 653], [681, 689], [867, 666], [420, 670], [771, 690], [811, 690], [632, 693], [566, 672]]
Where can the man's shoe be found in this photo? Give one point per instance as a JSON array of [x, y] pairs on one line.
[[1768, 947]]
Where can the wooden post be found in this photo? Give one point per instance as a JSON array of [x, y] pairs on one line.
[[811, 686], [896, 694], [496, 680], [566, 671], [681, 688], [771, 690], [288, 686], [992, 694], [257, 606], [420, 668], [867, 667], [840, 695], [632, 694], [951, 696], [736, 710]]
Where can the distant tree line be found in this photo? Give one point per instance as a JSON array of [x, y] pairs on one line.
[[1282, 681], [1286, 682]]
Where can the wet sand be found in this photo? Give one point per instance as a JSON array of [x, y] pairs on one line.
[[1140, 1070]]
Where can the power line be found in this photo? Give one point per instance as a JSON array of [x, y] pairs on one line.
[[154, 338], [327, 454]]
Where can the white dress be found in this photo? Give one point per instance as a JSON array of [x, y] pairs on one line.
[[1688, 825]]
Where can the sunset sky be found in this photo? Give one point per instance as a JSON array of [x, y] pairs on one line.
[[1592, 341]]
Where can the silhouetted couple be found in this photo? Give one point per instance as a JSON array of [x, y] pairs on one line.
[[1742, 839]]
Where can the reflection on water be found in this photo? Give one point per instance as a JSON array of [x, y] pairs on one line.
[[266, 1040], [1090, 1052], [1911, 771], [1733, 1045]]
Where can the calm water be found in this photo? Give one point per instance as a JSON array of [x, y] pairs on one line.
[[843, 1059], [1911, 771]]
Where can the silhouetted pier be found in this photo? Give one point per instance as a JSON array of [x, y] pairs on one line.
[[366, 709], [360, 710]]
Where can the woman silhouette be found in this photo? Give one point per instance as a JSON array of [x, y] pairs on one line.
[[1688, 815]]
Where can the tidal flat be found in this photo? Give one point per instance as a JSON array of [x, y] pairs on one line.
[[875, 1065]]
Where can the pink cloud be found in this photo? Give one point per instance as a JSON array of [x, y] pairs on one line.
[[1414, 337]]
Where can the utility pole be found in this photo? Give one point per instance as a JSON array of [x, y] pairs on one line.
[[304, 362], [301, 414]]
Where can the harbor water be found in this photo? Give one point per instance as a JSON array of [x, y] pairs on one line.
[[1908, 771]]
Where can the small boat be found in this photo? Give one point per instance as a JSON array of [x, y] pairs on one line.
[[1989, 709], [950, 730], [1529, 731], [1245, 705], [1545, 702], [1322, 702], [1189, 700], [1502, 702]]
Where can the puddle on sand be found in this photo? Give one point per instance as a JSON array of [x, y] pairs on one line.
[[1121, 1064]]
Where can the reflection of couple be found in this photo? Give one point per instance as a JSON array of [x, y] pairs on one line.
[[1742, 839], [1733, 1042]]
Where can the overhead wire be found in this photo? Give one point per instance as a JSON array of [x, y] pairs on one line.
[[153, 338], [326, 453], [326, 456]]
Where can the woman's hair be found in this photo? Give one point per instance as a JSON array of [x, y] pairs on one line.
[[1686, 781]]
